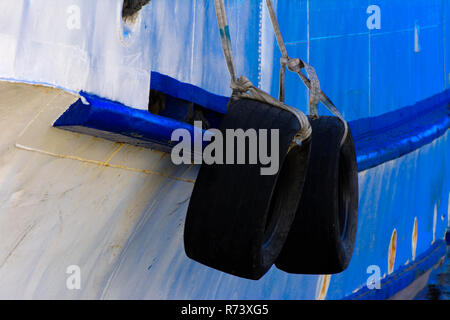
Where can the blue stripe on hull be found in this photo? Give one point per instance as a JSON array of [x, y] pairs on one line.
[[394, 134], [377, 139]]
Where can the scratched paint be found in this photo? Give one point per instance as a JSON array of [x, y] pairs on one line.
[[434, 223], [189, 49]]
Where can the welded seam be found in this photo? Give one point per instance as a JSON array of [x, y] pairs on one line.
[[37, 115], [115, 152]]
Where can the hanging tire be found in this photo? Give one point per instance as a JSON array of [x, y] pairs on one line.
[[322, 237], [238, 219]]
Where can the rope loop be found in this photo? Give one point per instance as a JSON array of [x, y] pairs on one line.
[[243, 87], [294, 65]]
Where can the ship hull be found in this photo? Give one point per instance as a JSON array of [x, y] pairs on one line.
[[91, 199]]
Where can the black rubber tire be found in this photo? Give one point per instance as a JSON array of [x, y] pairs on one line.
[[238, 219], [322, 237]]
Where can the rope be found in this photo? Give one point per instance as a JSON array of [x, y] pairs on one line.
[[243, 87], [313, 83]]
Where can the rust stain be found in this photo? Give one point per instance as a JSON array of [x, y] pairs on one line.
[[114, 153], [392, 251], [17, 244], [414, 239], [324, 285]]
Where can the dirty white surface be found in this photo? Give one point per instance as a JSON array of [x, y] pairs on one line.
[[76, 45], [68, 199], [85, 45]]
